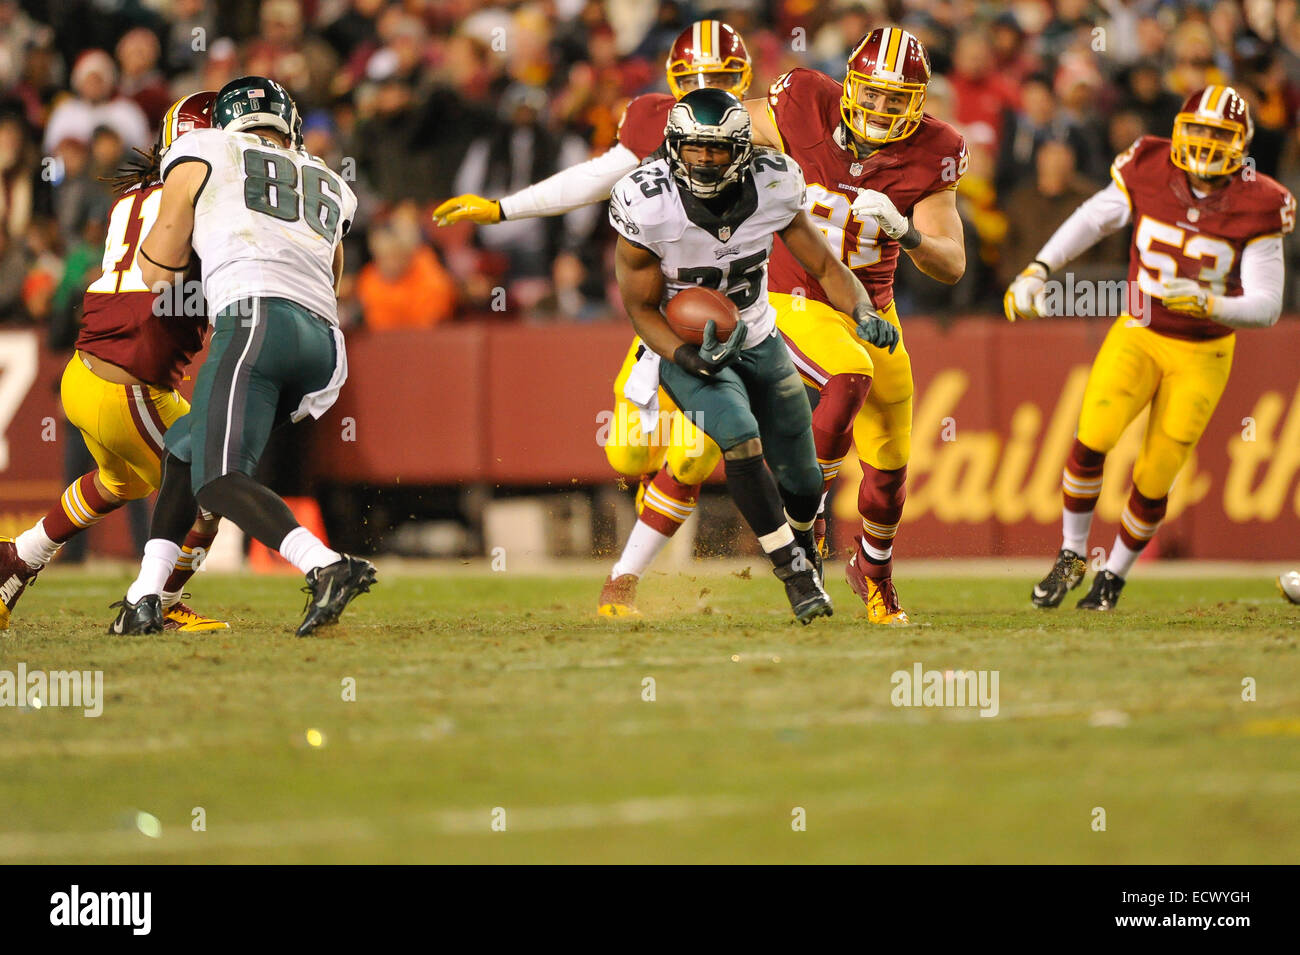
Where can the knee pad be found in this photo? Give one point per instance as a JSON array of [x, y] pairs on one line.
[[633, 460], [1158, 464], [693, 455], [798, 478]]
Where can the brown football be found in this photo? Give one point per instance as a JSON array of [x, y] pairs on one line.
[[691, 309]]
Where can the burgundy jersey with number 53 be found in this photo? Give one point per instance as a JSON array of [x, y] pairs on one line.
[[1177, 234]]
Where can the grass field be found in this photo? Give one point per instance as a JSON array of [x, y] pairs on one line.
[[477, 691]]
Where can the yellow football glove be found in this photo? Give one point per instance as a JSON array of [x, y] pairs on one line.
[[1188, 297], [1019, 300], [468, 207]]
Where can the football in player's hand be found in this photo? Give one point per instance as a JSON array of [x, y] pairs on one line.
[[691, 309]]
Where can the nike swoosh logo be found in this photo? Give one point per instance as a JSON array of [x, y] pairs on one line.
[[1039, 591], [716, 355], [325, 598]]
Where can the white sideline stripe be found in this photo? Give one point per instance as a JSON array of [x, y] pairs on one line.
[[629, 812]]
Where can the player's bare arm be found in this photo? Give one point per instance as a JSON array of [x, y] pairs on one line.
[[641, 283], [166, 251], [338, 267], [942, 252], [763, 129]]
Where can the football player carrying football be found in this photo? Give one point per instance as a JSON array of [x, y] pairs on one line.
[[1206, 259], [704, 213], [650, 442], [268, 220], [119, 390], [882, 175]]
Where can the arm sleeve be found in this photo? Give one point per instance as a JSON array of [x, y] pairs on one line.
[[571, 188], [1260, 301], [1106, 212]]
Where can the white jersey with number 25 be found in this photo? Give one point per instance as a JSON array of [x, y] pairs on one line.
[[729, 252]]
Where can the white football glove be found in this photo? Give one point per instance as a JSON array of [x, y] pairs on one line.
[[1188, 297], [1022, 297], [880, 207]]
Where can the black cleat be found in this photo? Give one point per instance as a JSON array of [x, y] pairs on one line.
[[144, 616], [803, 588], [807, 549], [1104, 594], [1066, 574], [332, 588]]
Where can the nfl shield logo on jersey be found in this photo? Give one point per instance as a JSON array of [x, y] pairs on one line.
[[724, 233], [1193, 214], [855, 169]]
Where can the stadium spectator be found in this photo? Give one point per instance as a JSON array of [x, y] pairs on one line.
[[1144, 95], [396, 92], [982, 96], [283, 51], [96, 103], [1041, 205], [405, 286], [1039, 121], [17, 174], [137, 58]]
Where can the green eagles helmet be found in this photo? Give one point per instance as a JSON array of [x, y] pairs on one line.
[[711, 117], [253, 101]]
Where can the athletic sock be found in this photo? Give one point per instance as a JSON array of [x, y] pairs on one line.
[[643, 546], [80, 507], [35, 547], [192, 553], [254, 508], [1137, 525], [881, 496], [306, 551], [159, 559], [1080, 487], [758, 499], [666, 502], [1121, 558]]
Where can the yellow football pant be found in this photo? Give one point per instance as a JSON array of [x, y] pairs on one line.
[[1181, 380], [637, 448], [123, 426], [824, 343]]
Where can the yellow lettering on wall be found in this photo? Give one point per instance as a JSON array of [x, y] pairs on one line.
[[1243, 499]]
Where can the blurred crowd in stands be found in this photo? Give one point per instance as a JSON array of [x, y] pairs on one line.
[[419, 100]]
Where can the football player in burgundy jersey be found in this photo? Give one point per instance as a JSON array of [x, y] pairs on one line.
[[119, 389], [648, 441], [882, 176], [1206, 260]]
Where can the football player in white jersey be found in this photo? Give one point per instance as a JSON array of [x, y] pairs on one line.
[[703, 211], [267, 220]]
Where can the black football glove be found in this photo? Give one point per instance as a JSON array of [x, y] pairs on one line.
[[874, 330], [710, 357]]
